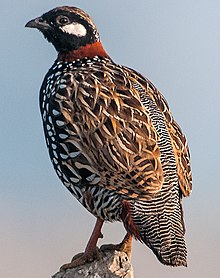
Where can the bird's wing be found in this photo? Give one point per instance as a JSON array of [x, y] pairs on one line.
[[178, 139], [116, 134]]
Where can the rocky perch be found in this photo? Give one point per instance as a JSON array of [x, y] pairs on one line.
[[111, 264]]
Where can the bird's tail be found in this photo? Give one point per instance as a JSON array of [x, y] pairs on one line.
[[160, 228]]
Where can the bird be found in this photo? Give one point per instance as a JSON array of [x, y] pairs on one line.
[[113, 141]]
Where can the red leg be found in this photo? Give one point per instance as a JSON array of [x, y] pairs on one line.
[[125, 245], [96, 234], [91, 251]]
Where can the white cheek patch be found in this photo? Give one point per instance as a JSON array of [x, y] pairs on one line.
[[76, 29]]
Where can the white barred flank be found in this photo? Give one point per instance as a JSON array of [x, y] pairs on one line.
[[160, 219]]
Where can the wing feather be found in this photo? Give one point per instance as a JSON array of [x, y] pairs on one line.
[[178, 139], [117, 133]]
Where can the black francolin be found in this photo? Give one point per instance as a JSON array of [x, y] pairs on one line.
[[112, 140]]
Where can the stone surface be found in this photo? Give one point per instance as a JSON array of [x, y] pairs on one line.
[[111, 264]]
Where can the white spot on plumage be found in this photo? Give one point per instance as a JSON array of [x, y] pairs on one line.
[[44, 115], [59, 169], [63, 136], [47, 107], [64, 147], [55, 112], [74, 154], [65, 178], [55, 161], [96, 180], [59, 173], [50, 119], [58, 73], [62, 86], [54, 146], [55, 154], [60, 123], [64, 156], [91, 178], [74, 180], [75, 28]]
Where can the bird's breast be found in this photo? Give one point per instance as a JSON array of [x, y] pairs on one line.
[[63, 119]]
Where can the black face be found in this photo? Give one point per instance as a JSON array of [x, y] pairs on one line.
[[66, 28]]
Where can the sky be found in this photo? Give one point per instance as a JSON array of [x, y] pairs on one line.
[[173, 43]]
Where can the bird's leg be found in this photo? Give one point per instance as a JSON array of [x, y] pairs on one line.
[[91, 251], [124, 246]]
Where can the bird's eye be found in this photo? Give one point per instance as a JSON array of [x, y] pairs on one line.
[[62, 20]]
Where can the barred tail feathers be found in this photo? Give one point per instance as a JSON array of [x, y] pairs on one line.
[[162, 231]]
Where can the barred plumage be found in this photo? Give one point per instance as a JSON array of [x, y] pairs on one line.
[[112, 139]]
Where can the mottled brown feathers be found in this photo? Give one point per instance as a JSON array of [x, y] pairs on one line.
[[179, 142], [116, 132]]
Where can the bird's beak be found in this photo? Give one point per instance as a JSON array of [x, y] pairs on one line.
[[38, 23]]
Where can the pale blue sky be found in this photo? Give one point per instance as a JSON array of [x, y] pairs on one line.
[[176, 44]]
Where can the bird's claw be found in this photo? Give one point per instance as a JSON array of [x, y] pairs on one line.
[[81, 259], [124, 246]]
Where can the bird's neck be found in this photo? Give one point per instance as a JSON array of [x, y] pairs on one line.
[[89, 51]]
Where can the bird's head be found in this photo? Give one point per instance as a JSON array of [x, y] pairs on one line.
[[69, 29]]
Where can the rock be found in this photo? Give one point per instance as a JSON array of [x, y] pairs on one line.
[[111, 264]]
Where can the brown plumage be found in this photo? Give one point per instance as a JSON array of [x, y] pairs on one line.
[[113, 140]]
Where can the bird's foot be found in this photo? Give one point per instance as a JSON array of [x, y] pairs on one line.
[[82, 258], [124, 246]]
